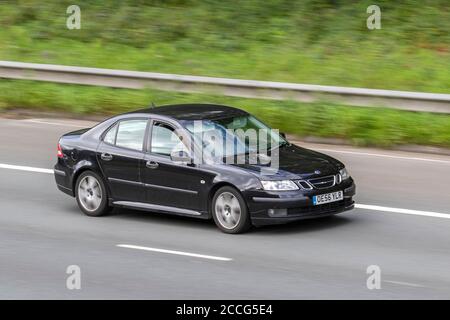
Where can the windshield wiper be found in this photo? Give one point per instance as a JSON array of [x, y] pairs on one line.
[[282, 144]]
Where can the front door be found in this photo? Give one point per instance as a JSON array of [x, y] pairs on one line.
[[168, 183]]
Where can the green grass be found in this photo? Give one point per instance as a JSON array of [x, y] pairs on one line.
[[310, 41], [361, 126], [305, 41]]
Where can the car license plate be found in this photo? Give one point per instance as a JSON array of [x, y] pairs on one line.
[[328, 197]]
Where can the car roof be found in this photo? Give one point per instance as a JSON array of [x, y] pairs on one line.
[[197, 111]]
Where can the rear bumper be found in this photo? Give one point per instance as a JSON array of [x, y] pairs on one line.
[[62, 180], [284, 207]]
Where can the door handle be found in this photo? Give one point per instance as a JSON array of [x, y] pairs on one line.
[[152, 164], [106, 156]]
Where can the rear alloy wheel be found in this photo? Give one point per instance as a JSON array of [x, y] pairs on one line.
[[229, 211], [91, 194]]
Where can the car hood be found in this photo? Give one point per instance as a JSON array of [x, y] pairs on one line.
[[296, 162]]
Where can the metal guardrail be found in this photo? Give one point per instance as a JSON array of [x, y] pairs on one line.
[[413, 101]]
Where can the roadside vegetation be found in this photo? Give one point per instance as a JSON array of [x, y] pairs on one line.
[[312, 41], [309, 41], [360, 126]]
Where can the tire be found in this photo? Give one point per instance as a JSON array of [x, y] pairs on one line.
[[91, 195], [229, 211]]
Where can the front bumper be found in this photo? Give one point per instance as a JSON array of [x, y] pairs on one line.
[[268, 207]]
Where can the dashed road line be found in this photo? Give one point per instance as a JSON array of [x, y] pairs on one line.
[[403, 211], [382, 155], [180, 253], [25, 168], [63, 124], [402, 283]]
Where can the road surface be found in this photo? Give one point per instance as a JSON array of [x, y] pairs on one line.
[[401, 225]]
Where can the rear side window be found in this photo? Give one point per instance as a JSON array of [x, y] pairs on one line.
[[127, 134], [110, 136], [130, 134]]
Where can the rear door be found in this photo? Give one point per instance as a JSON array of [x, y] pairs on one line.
[[121, 158]]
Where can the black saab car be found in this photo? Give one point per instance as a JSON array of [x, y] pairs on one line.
[[205, 161]]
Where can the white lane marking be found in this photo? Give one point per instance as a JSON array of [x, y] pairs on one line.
[[384, 155], [24, 168], [358, 205], [409, 284], [404, 211], [181, 253], [63, 124]]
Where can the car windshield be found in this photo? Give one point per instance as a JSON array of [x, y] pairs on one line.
[[234, 136]]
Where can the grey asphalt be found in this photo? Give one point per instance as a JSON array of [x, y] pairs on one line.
[[42, 232]]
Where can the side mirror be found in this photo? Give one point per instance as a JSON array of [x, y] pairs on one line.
[[181, 157], [283, 135]]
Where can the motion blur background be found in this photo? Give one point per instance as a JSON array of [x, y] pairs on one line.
[[312, 41], [401, 220]]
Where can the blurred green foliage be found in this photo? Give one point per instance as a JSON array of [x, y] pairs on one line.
[[361, 126], [309, 41]]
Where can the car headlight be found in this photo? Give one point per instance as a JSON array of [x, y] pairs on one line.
[[279, 185], [344, 174]]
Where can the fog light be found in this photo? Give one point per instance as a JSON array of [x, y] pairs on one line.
[[277, 212]]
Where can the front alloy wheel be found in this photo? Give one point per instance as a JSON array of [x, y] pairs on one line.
[[230, 211]]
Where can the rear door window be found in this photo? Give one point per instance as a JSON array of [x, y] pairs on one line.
[[128, 134]]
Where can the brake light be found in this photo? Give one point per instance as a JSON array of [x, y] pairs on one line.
[[60, 153]]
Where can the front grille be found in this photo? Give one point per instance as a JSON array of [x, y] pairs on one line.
[[323, 182], [304, 185], [320, 209]]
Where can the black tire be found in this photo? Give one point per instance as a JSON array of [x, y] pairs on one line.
[[230, 197], [101, 206]]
